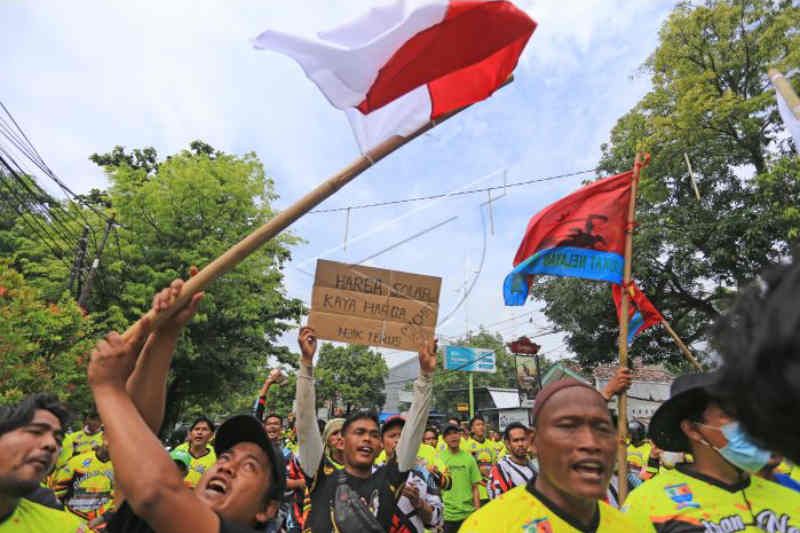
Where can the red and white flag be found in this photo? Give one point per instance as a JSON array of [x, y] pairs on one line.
[[402, 64]]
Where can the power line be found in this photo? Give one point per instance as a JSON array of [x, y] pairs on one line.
[[55, 249], [455, 193], [36, 198], [31, 153]]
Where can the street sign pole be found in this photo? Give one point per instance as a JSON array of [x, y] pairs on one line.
[[471, 397]]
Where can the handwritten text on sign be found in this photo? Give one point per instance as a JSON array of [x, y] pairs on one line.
[[373, 306]]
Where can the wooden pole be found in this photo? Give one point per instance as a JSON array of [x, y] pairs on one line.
[[783, 86], [239, 252], [684, 349], [622, 416]]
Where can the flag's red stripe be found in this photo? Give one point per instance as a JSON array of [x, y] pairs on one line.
[[463, 59]]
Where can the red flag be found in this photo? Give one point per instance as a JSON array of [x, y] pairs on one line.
[[641, 311], [398, 66], [582, 236]]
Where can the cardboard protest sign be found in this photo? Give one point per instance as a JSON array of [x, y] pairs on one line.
[[373, 306]]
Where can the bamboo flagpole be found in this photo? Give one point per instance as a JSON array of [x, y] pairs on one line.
[[785, 89], [622, 416], [684, 349], [241, 250]]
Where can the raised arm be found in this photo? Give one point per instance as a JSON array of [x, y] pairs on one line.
[[309, 441], [414, 428], [147, 385], [153, 488], [260, 407]]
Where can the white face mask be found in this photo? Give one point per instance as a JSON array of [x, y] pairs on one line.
[[670, 459]]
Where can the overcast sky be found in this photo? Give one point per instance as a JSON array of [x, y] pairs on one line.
[[81, 77]]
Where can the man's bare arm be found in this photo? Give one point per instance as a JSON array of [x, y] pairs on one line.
[[147, 385], [154, 488]]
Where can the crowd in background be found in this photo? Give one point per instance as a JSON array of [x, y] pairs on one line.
[[695, 468]]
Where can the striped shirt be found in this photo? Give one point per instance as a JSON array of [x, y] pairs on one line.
[[506, 475]]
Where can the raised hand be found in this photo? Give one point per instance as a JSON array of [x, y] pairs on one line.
[[427, 356], [164, 299], [307, 340], [114, 358], [620, 383]]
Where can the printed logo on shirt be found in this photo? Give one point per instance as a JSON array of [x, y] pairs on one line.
[[86, 462], [538, 525], [769, 521], [682, 495], [729, 524]]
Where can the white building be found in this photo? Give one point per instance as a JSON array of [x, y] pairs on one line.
[[396, 381], [649, 389]]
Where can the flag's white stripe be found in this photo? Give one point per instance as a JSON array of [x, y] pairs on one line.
[[344, 62], [789, 120], [399, 117]]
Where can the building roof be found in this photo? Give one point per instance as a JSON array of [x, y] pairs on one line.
[[641, 372], [562, 370]]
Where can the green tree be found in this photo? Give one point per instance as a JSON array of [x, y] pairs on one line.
[[712, 100], [174, 213], [43, 345], [351, 376]]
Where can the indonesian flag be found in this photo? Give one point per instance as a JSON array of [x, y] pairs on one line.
[[403, 64]]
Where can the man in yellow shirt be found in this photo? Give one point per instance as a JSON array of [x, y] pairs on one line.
[[717, 492], [576, 442], [203, 456], [86, 439], [86, 484], [30, 435]]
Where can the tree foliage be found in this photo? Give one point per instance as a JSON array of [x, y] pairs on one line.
[[41, 344], [172, 214], [710, 99], [351, 376]]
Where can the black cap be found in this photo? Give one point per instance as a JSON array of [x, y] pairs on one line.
[[686, 392], [247, 428]]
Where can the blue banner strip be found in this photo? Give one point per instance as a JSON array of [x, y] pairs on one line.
[[635, 324], [564, 261]]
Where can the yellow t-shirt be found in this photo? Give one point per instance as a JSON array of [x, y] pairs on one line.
[[483, 452], [198, 466], [680, 500], [523, 510], [639, 455], [31, 517], [76, 443], [426, 458], [499, 449], [86, 485]]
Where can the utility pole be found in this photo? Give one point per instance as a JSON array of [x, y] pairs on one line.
[[80, 256], [87, 287]]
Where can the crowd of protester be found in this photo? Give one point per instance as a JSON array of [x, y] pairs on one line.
[[695, 468]]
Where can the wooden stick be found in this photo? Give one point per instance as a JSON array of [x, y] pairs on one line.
[[783, 86], [684, 349], [239, 252], [622, 415]]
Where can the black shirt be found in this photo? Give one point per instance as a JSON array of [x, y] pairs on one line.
[[379, 492], [125, 521], [46, 497]]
